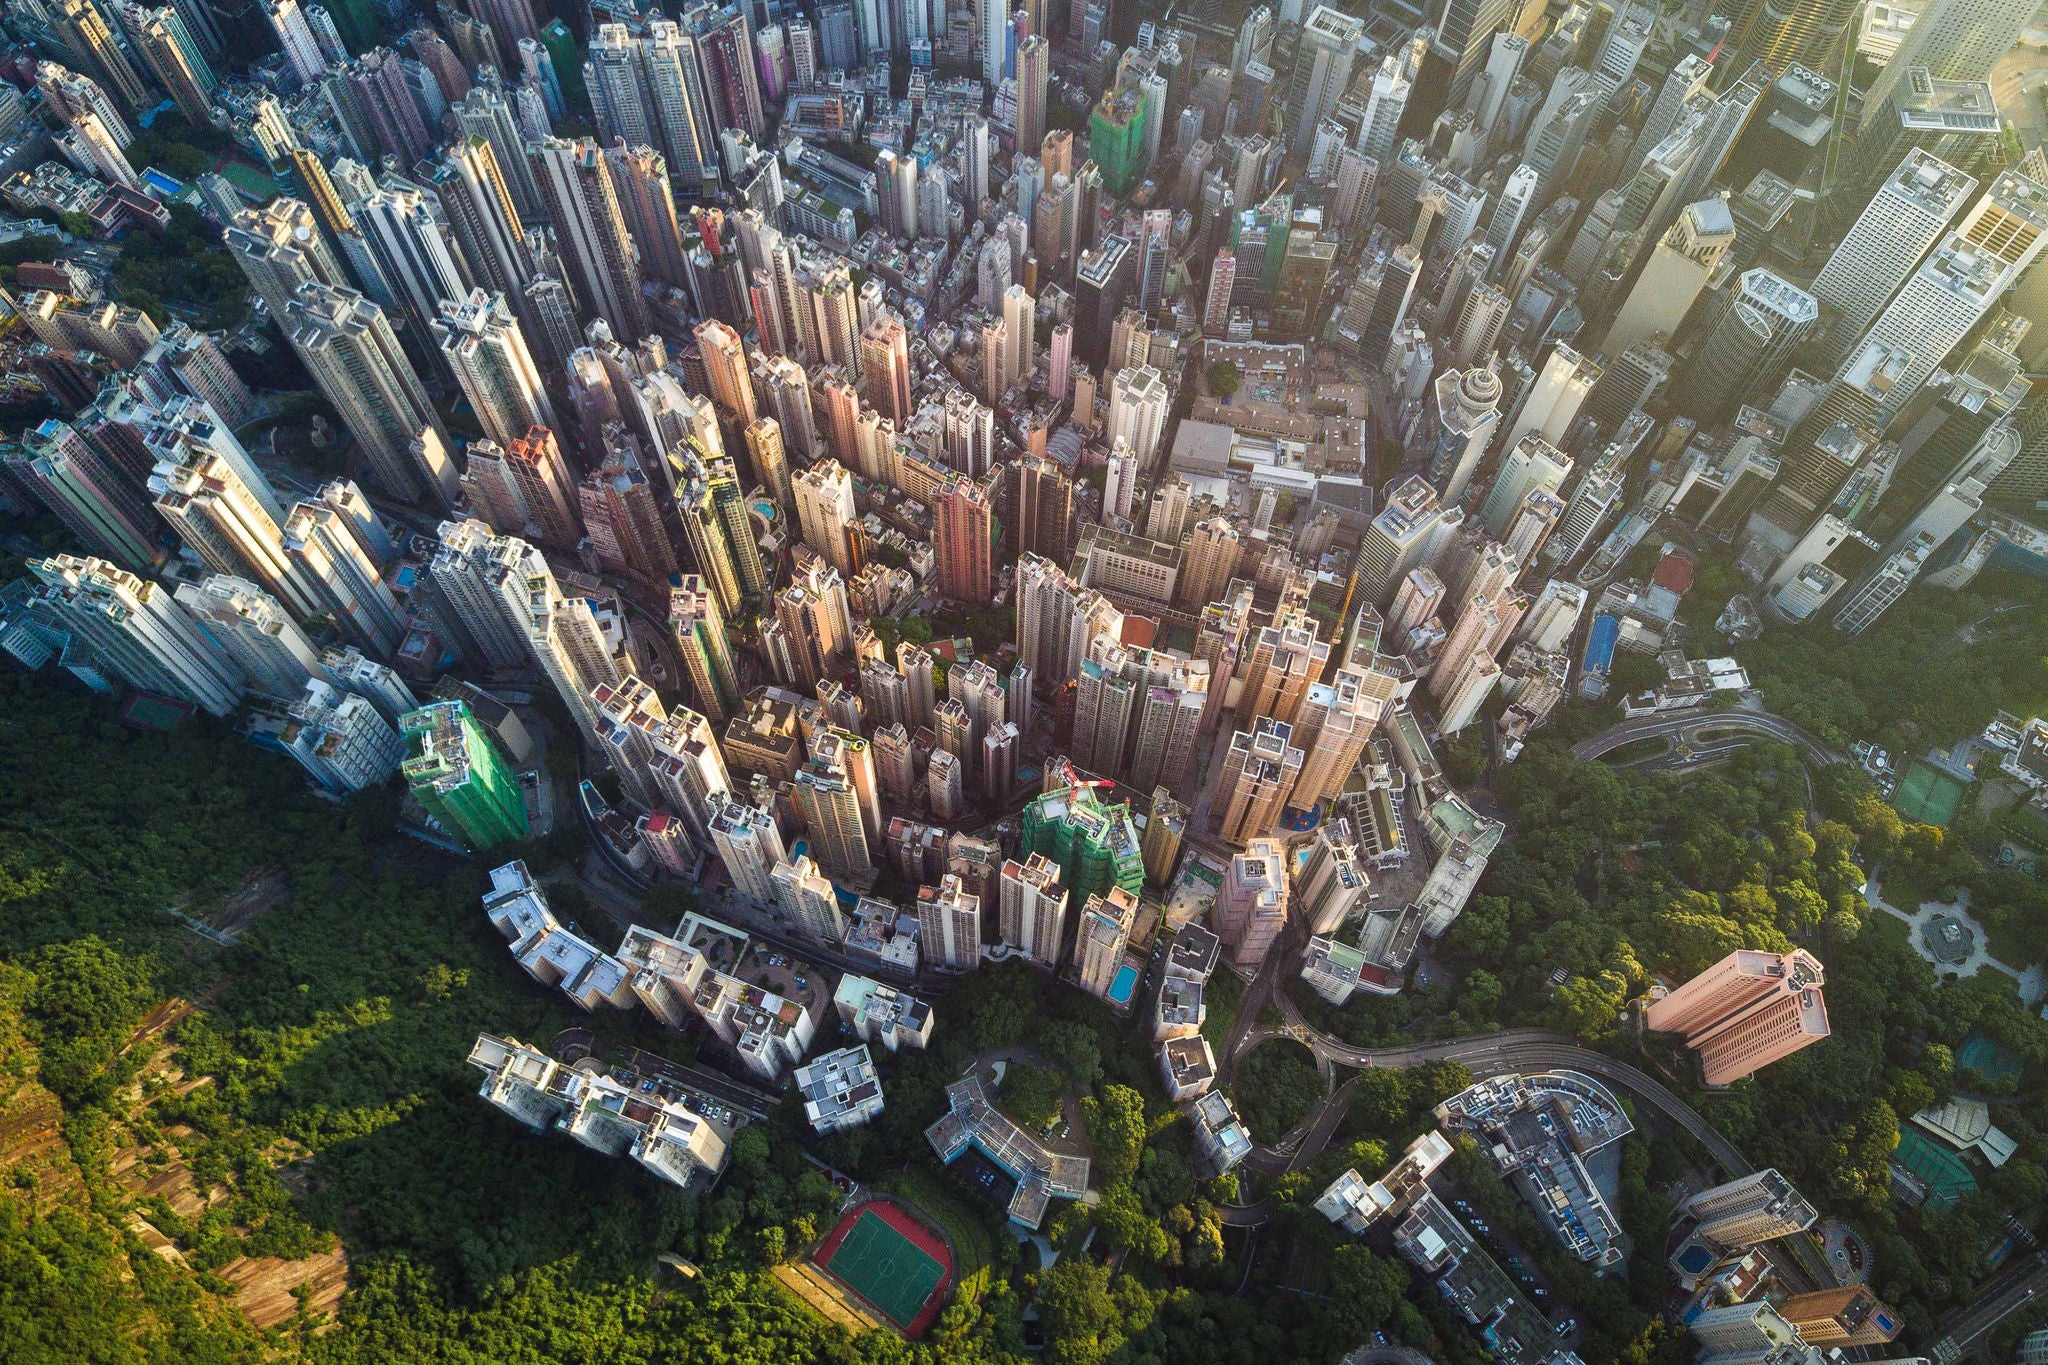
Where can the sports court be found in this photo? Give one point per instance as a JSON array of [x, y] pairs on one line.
[[1927, 796], [882, 1254]]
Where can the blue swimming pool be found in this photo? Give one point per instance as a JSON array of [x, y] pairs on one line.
[[1123, 984]]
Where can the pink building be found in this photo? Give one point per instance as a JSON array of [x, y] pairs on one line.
[[1746, 1011]]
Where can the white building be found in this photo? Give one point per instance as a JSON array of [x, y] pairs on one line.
[[839, 1089]]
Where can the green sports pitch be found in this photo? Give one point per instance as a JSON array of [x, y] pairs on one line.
[[881, 1265], [1927, 795]]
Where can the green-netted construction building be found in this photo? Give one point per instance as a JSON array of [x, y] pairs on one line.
[[1096, 845], [459, 777]]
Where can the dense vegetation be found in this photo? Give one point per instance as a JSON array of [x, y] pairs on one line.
[[333, 1038], [329, 1106]]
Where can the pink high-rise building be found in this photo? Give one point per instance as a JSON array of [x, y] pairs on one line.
[[1746, 1011], [1251, 905]]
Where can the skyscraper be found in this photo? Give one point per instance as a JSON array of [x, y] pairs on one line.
[[1034, 72], [1758, 1207], [885, 369], [963, 532], [482, 344], [79, 24], [1101, 932], [279, 247], [1251, 905], [341, 579], [640, 177], [1746, 1011], [825, 512], [1258, 775], [949, 924], [1954, 40], [829, 796], [136, 631], [622, 510], [699, 629], [1679, 267], [460, 779], [247, 625], [1322, 70], [354, 357], [524, 488], [1138, 404], [1033, 907], [91, 492], [1902, 222], [180, 68], [575, 187]]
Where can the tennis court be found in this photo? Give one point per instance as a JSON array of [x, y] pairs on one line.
[[1927, 796], [880, 1258]]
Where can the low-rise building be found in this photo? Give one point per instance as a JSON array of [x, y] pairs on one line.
[[839, 1089], [1355, 1203], [1537, 1130], [1187, 1066], [1332, 968], [619, 1115], [882, 1014], [1042, 1174], [1221, 1139], [547, 951]]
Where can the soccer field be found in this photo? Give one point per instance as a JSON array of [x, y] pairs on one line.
[[882, 1266]]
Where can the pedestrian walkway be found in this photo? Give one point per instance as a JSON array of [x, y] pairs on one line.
[[1946, 964]]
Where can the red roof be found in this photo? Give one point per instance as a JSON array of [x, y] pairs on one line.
[[1674, 574]]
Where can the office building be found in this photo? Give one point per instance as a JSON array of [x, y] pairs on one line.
[[1552, 401], [1746, 1011], [1466, 411], [1532, 463], [1952, 40], [1679, 267], [1902, 222], [1748, 344], [1950, 292], [460, 779], [1397, 541], [1322, 71]]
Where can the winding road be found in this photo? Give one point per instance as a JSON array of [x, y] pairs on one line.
[[1485, 1054], [1686, 726]]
